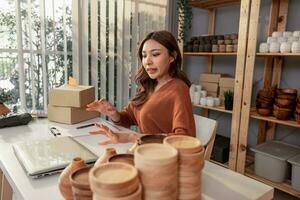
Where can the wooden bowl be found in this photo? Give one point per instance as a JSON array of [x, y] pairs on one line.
[[155, 154], [184, 144], [264, 105], [287, 96], [123, 158], [261, 99], [284, 102], [80, 178], [282, 113], [264, 111], [114, 179], [281, 91], [155, 138]]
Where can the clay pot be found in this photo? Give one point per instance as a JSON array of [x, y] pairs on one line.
[[64, 178], [3, 109], [80, 184], [109, 152]]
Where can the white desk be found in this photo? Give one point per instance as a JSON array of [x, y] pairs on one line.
[[217, 182]]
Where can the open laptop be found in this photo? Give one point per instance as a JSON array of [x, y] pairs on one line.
[[46, 157]]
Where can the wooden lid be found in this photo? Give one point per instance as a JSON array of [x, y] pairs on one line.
[[113, 175], [184, 144], [155, 154], [80, 178]]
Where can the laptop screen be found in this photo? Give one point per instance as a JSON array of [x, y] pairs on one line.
[[45, 157]]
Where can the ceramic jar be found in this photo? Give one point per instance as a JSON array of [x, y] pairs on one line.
[[109, 152], [285, 47], [287, 34], [271, 39], [274, 47], [196, 98], [296, 47], [277, 34], [64, 184], [263, 48], [203, 101], [296, 34]]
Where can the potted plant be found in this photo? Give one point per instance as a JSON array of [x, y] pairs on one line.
[[185, 16], [228, 95], [4, 97]]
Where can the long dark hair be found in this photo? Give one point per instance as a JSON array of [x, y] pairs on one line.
[[146, 85]]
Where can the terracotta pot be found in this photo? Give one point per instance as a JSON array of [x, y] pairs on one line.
[[64, 178], [3, 109], [109, 152]]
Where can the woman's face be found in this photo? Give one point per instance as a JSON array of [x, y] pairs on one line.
[[156, 60]]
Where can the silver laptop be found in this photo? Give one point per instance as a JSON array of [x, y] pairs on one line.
[[46, 157]]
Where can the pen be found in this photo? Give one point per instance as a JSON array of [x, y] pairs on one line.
[[84, 126]]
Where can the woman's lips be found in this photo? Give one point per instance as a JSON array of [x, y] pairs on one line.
[[151, 70]]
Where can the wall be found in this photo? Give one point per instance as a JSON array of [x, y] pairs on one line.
[[227, 21]]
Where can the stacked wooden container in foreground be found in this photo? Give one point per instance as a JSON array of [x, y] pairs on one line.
[[191, 162], [158, 170], [115, 181], [80, 184]]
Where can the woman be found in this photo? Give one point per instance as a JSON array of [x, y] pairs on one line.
[[162, 104]]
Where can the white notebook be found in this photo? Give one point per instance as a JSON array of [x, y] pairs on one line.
[[46, 157]]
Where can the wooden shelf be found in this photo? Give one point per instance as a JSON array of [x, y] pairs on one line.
[[218, 108], [284, 186], [277, 54], [210, 4], [292, 123], [209, 54]]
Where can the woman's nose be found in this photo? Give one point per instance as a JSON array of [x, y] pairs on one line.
[[148, 60]]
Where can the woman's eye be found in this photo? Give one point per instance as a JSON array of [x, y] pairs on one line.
[[144, 56], [156, 54]]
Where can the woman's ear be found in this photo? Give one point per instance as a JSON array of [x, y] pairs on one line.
[[173, 57]]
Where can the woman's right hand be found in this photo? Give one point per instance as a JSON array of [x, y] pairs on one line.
[[104, 107]]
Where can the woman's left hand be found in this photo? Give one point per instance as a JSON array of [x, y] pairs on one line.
[[114, 137]]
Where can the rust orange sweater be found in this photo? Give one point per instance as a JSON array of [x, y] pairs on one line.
[[168, 110]]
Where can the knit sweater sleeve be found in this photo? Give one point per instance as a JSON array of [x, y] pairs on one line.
[[127, 116], [183, 119]]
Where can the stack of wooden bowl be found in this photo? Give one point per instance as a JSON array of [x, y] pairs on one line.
[[80, 184], [285, 101], [158, 171], [115, 181], [297, 111], [191, 162], [264, 101]]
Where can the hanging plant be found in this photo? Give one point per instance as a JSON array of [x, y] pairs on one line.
[[185, 16]]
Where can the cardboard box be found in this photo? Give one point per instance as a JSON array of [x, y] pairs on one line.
[[210, 87], [226, 82], [211, 78], [78, 96], [69, 115]]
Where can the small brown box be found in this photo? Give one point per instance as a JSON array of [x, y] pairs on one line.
[[211, 78], [78, 96], [69, 115], [210, 87], [226, 82]]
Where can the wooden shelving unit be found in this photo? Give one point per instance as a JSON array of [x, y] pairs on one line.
[[292, 123], [284, 186], [216, 108], [271, 76], [211, 6], [209, 54], [277, 54]]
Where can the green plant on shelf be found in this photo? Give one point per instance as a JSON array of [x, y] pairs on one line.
[[228, 95]]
